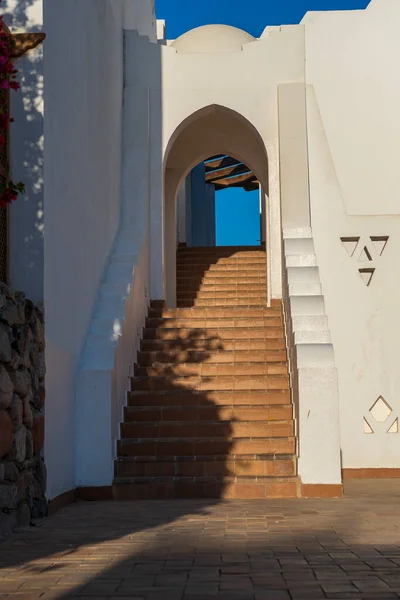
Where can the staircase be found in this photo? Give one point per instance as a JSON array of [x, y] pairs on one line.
[[210, 414]]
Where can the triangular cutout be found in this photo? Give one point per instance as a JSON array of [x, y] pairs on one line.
[[366, 275], [350, 243], [365, 255], [367, 427], [394, 428], [379, 242]]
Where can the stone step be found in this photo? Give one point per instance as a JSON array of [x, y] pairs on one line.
[[216, 277], [207, 384], [217, 356], [268, 320], [213, 399], [205, 446], [223, 303], [229, 251], [181, 347], [188, 287], [218, 466], [210, 265], [189, 336], [202, 370], [159, 489], [229, 291], [199, 429], [199, 268], [214, 313], [162, 414]]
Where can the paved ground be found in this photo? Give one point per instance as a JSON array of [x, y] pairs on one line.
[[258, 550]]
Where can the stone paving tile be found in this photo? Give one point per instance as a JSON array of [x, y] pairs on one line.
[[205, 550]]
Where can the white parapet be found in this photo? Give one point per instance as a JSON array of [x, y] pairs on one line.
[[312, 362]]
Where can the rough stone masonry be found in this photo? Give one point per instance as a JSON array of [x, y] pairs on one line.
[[22, 397]]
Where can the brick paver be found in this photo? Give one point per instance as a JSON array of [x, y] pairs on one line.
[[188, 550]]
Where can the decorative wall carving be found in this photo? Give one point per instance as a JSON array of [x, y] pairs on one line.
[[365, 250], [380, 418]]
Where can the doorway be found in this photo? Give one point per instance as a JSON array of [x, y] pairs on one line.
[[220, 204]]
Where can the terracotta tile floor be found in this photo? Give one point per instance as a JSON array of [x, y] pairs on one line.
[[258, 550]]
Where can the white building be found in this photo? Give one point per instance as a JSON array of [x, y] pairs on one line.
[[127, 116]]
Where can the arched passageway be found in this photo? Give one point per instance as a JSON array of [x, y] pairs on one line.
[[211, 130]]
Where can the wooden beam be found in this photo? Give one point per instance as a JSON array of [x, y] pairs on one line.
[[220, 162], [23, 42], [214, 176], [238, 181]]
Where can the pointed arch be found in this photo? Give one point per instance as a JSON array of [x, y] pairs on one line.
[[213, 129]]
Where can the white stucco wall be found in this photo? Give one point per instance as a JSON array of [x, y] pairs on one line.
[[26, 156], [352, 59], [83, 66], [188, 87], [354, 145]]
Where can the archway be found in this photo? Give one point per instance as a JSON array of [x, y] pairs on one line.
[[209, 131]]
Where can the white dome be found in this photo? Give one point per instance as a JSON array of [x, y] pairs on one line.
[[212, 38]]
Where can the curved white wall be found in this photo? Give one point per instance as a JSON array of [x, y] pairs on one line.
[[84, 61]]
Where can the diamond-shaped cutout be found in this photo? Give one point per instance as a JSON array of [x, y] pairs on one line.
[[394, 428], [380, 410]]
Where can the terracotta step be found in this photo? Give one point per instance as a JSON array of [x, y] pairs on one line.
[[244, 303], [228, 291], [214, 313], [188, 286], [179, 345], [222, 277], [174, 370], [219, 302], [205, 447], [198, 269], [205, 384], [215, 265], [178, 398], [268, 320], [205, 291], [218, 356], [212, 336], [254, 466], [215, 413], [198, 429], [257, 298], [221, 251], [159, 489]]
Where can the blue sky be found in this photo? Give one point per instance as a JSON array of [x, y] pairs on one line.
[[251, 15], [236, 210]]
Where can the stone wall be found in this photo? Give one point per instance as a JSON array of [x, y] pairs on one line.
[[22, 396]]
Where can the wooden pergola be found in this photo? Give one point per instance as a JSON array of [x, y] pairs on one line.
[[23, 42], [225, 172]]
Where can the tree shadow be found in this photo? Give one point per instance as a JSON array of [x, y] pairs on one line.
[[199, 549], [27, 136]]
